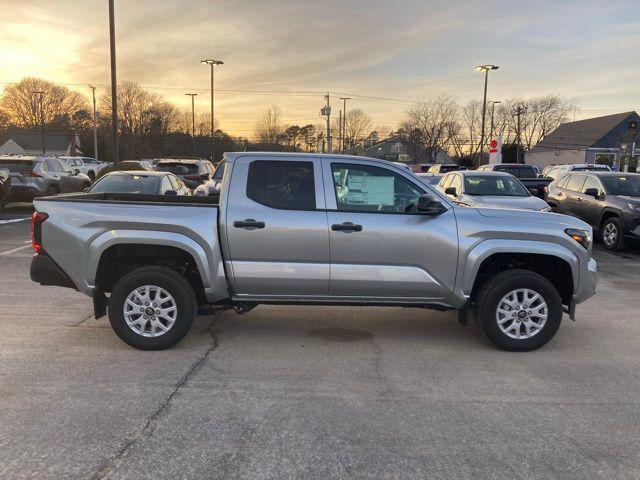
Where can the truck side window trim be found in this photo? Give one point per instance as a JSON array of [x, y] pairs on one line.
[[277, 195]]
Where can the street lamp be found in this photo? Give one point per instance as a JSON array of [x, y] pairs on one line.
[[211, 62], [485, 69], [193, 123], [40, 95]]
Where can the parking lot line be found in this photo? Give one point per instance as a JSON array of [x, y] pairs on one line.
[[14, 250], [13, 220]]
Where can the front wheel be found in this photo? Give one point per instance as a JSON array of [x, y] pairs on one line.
[[613, 234], [152, 308], [519, 310]]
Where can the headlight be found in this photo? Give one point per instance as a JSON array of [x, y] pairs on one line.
[[545, 209], [583, 237], [634, 207]]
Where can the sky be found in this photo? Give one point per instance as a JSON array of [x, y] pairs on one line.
[[383, 54]]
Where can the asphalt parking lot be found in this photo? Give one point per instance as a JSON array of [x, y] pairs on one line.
[[314, 392]]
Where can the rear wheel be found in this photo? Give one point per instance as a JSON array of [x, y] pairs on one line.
[[152, 308], [612, 234], [52, 190], [519, 310]]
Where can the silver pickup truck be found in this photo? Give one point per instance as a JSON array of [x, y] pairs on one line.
[[312, 229]]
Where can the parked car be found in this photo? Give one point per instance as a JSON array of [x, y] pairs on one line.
[[5, 186], [490, 189], [34, 176], [87, 165], [608, 201], [213, 185], [444, 168], [192, 172], [527, 174], [313, 229], [134, 181], [429, 178], [555, 171]]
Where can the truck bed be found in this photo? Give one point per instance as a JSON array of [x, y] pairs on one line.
[[133, 198]]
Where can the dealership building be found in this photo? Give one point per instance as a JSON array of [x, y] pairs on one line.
[[605, 139]]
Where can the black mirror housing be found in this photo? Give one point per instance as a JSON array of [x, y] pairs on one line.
[[429, 205], [592, 192], [170, 192], [205, 176], [451, 191]]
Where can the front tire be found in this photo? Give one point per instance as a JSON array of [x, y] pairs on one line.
[[152, 308], [518, 310], [612, 233]]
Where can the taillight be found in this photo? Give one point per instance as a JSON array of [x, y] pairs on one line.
[[31, 174], [36, 231]]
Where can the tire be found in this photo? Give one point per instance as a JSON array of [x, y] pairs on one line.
[[52, 190], [92, 175], [612, 234], [147, 334], [518, 333]]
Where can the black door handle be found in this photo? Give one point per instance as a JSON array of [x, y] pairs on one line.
[[248, 223], [346, 227]]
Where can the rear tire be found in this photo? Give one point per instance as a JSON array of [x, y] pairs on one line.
[[152, 308], [52, 190], [518, 310], [612, 234]]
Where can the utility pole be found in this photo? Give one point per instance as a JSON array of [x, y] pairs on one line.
[[95, 127], [212, 63], [344, 120], [326, 111], [114, 84], [193, 123], [493, 109], [340, 135], [520, 109], [40, 95]]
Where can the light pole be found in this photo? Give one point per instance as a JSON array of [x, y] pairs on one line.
[[485, 69], [114, 85], [40, 95], [211, 62], [344, 120], [193, 123], [95, 128]]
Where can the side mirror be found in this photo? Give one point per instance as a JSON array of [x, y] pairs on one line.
[[451, 191], [205, 176], [592, 192], [534, 191], [170, 192], [429, 205], [77, 171]]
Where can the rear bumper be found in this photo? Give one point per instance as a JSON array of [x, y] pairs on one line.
[[23, 193], [45, 272]]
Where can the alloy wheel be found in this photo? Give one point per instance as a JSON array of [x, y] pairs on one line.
[[150, 311], [609, 234], [522, 313]]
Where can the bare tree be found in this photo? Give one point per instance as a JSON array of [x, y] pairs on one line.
[[428, 123], [543, 115], [357, 127], [269, 127], [61, 107]]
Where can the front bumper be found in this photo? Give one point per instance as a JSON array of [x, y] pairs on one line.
[[586, 287], [46, 272]]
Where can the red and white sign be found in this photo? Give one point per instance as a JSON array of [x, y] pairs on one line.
[[495, 150], [493, 146]]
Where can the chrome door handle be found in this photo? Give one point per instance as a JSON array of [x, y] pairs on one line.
[[346, 227], [248, 223]]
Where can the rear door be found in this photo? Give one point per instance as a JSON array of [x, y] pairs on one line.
[[591, 207], [573, 192], [276, 227], [380, 246]]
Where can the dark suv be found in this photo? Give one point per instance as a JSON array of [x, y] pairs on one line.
[[608, 201]]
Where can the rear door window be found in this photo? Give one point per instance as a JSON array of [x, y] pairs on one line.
[[282, 184], [592, 182], [575, 183], [16, 166], [53, 165]]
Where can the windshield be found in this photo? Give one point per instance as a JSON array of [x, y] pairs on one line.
[[494, 185], [125, 184], [622, 185], [217, 175], [178, 168], [16, 166]]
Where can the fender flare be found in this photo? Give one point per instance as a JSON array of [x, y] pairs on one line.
[[479, 253], [148, 237]]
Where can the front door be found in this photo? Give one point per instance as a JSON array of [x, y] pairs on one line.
[[380, 246], [591, 206], [276, 227]]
